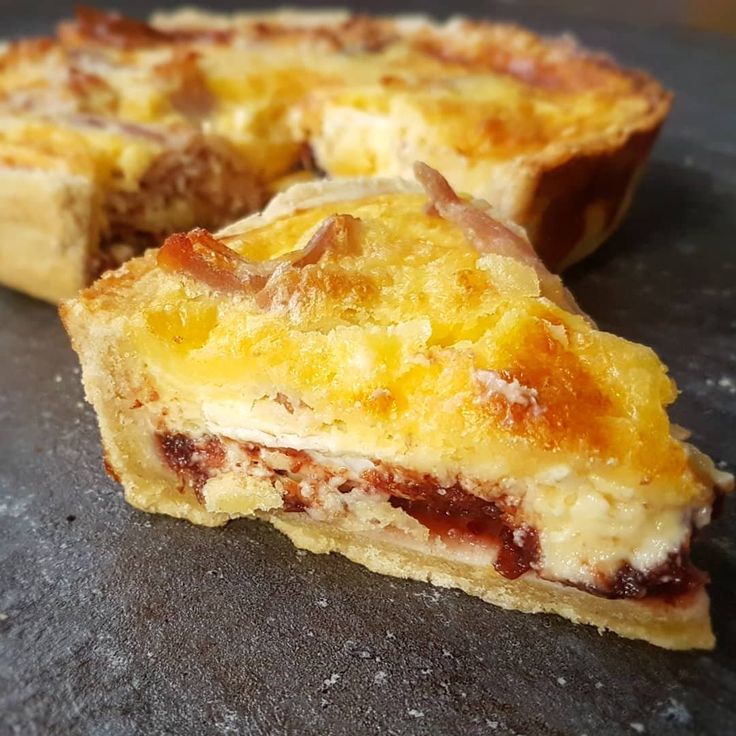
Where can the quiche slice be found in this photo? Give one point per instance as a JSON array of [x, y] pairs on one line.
[[385, 369], [116, 132]]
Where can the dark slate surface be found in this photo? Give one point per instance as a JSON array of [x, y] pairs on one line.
[[113, 622]]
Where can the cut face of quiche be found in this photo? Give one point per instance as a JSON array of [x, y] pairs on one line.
[[116, 133], [386, 370]]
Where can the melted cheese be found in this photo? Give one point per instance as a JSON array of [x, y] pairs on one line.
[[390, 340], [412, 349], [420, 91]]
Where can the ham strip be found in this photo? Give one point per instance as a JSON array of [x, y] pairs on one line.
[[487, 234], [203, 257]]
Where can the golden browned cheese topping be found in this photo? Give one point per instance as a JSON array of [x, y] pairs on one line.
[[268, 83], [401, 335]]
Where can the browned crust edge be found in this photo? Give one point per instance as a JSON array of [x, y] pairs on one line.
[[591, 186]]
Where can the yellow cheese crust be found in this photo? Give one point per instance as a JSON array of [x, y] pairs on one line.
[[552, 135], [407, 324]]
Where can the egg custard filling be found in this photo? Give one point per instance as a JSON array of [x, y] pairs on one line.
[[385, 369]]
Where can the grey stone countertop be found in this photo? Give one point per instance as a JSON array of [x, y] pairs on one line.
[[113, 622]]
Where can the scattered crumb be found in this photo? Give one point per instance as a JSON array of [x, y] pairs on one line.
[[446, 653], [321, 602], [561, 681], [80, 405], [57, 378], [727, 383], [414, 713], [390, 635], [638, 727], [493, 725], [301, 553], [331, 680], [677, 712], [380, 677], [599, 685], [433, 596], [3, 616]]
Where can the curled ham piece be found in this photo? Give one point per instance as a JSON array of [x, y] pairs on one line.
[[484, 232], [487, 234], [205, 258]]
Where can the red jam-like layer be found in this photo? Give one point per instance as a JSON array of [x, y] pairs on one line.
[[449, 512]]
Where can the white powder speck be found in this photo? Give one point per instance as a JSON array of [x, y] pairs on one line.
[[57, 378], [380, 677], [332, 679], [493, 384], [321, 602], [598, 685], [676, 712], [519, 536], [638, 727], [414, 713], [561, 681], [390, 635], [3, 616], [493, 725], [727, 383]]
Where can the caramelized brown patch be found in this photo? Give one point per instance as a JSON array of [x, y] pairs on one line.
[[110, 28], [571, 402], [557, 65], [93, 94], [26, 49], [109, 468], [311, 288], [190, 95]]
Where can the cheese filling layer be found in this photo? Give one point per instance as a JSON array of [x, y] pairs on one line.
[[616, 551]]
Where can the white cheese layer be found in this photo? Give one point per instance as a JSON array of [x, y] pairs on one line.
[[585, 528]]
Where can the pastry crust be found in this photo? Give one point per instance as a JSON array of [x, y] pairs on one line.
[[48, 229], [685, 626], [192, 444], [566, 176], [110, 387]]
